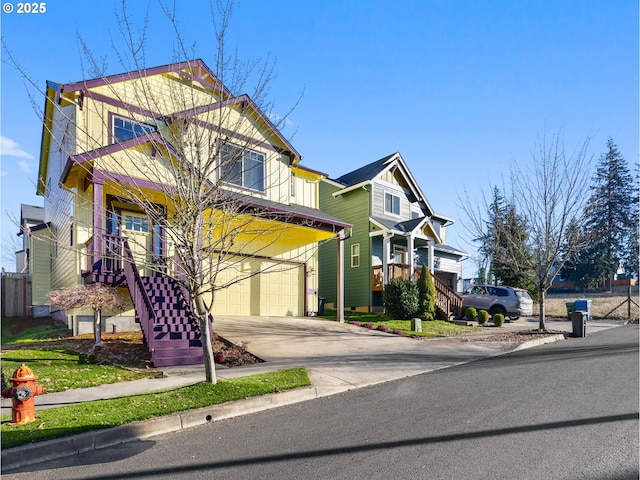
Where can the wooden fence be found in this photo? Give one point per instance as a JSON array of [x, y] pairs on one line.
[[16, 295]]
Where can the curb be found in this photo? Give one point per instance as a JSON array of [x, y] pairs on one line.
[[71, 445], [539, 341], [30, 454]]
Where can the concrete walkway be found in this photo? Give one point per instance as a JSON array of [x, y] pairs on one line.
[[339, 357]]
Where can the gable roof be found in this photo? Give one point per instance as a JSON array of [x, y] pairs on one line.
[[375, 169], [195, 70], [368, 172], [31, 212]]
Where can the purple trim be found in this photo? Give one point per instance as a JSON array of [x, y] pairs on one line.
[[208, 108], [273, 212], [117, 103], [98, 214], [198, 110], [142, 73], [102, 176]]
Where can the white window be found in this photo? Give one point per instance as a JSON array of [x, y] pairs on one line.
[[355, 255], [391, 204], [136, 223], [243, 168], [124, 129]]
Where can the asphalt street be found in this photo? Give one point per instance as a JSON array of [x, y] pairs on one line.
[[566, 410]]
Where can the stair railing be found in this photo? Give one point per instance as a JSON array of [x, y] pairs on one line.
[[447, 299], [141, 301]]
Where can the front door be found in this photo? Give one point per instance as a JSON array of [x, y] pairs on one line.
[[135, 227]]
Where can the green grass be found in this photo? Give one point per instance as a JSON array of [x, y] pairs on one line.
[[430, 329], [59, 370], [73, 419], [34, 334]]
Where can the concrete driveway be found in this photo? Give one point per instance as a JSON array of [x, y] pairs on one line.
[[342, 356]]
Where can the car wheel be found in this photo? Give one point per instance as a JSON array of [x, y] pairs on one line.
[[498, 309], [514, 318]]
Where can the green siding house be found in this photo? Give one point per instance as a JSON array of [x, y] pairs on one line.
[[395, 231]]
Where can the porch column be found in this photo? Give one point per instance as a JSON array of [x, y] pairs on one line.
[[386, 247], [98, 216], [430, 249], [412, 262], [340, 279]]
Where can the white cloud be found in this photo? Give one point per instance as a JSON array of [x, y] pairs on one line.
[[24, 166], [10, 148], [275, 118], [3, 173]]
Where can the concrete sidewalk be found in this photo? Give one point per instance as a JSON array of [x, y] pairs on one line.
[[338, 357]]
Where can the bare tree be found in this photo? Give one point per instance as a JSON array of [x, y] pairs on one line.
[[96, 297], [187, 163], [549, 193]]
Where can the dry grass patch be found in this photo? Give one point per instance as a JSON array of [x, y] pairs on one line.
[[601, 305]]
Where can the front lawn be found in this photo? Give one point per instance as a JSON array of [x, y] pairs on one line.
[[430, 329], [73, 419], [60, 369]]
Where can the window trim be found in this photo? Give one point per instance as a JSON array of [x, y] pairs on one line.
[[244, 151], [392, 196], [355, 255], [147, 127]]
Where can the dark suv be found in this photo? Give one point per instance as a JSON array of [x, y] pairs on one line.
[[509, 301]]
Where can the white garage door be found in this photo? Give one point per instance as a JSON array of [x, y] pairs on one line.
[[277, 293]]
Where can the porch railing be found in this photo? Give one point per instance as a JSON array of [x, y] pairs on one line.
[[447, 300], [109, 259]]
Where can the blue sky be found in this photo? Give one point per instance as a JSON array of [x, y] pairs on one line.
[[462, 89]]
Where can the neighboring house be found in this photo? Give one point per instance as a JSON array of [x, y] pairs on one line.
[[395, 232], [85, 160], [30, 216], [34, 259]]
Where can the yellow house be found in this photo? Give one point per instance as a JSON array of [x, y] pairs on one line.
[[124, 159]]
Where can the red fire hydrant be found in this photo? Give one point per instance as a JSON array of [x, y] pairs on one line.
[[23, 407]]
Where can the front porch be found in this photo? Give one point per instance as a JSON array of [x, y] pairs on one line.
[[448, 302]]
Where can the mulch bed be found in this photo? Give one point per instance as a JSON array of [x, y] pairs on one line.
[[126, 349]]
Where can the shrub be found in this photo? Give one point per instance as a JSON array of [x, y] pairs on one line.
[[483, 317], [368, 325], [383, 328], [400, 299], [470, 313], [356, 323], [498, 319], [426, 295], [397, 331]]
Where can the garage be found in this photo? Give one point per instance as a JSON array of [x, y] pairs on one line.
[[277, 291]]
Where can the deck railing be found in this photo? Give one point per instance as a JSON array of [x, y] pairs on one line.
[[447, 300]]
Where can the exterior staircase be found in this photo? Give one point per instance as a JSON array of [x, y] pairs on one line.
[[174, 335], [448, 302], [170, 330]]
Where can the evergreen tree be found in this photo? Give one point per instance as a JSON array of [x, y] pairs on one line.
[[426, 295], [609, 219], [631, 254], [505, 243]]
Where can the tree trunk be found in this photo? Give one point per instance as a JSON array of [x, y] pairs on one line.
[[97, 327], [541, 325], [206, 337]]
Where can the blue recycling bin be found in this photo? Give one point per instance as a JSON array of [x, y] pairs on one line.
[[583, 305]]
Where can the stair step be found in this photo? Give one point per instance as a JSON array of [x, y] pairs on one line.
[[179, 340]]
